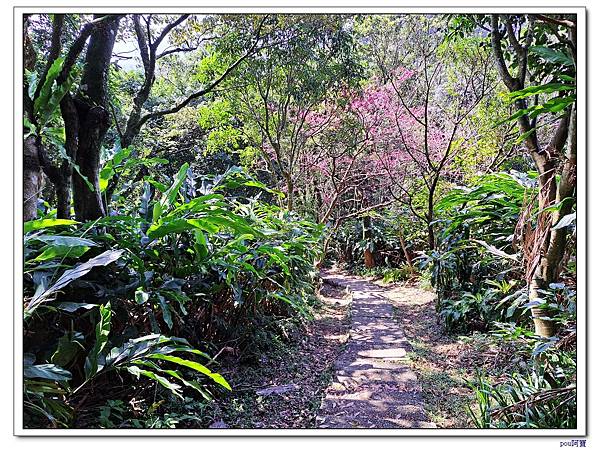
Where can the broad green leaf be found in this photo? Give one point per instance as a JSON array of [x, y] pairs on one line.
[[211, 224], [168, 198], [92, 363], [523, 137], [108, 170], [47, 371], [43, 387], [200, 245], [32, 81], [237, 224], [48, 102], [204, 224], [166, 311], [551, 55], [31, 127], [176, 226], [72, 307], [68, 276], [567, 78], [61, 251], [141, 297], [554, 105], [136, 371], [46, 90], [496, 251], [67, 350], [195, 366], [160, 187], [191, 384], [157, 211], [199, 204], [541, 89], [179, 297], [40, 224], [67, 241]]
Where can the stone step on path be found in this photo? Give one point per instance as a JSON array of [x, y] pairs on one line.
[[373, 386]]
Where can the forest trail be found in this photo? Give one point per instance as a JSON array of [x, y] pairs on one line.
[[373, 385]]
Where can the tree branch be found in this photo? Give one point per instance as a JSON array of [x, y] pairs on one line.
[[79, 43], [207, 89], [166, 30], [55, 47]]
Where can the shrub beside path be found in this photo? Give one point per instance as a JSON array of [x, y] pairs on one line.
[[373, 385]]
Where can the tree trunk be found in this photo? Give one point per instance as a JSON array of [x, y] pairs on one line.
[[545, 268], [63, 183], [93, 122], [430, 236], [63, 198], [549, 267], [407, 256], [32, 171], [367, 236], [290, 193], [431, 211], [429, 217], [88, 203], [32, 178]]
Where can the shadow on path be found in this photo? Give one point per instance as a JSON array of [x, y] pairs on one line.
[[373, 386]]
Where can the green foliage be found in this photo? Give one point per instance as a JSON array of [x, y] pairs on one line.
[[383, 238], [216, 263], [478, 278], [552, 55], [475, 252], [541, 395], [397, 274], [559, 104], [525, 402], [48, 101], [196, 255], [388, 274]]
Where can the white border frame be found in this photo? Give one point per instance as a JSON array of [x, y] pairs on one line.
[[582, 402]]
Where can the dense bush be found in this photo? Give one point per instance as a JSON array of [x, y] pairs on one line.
[[479, 280], [381, 236], [540, 391], [475, 269], [104, 300]]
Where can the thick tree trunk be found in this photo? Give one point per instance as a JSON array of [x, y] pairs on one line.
[[88, 204], [32, 178], [93, 122], [63, 185], [549, 267], [32, 171]]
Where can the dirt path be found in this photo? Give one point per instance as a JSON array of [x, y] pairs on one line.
[[373, 385], [348, 369], [285, 387]]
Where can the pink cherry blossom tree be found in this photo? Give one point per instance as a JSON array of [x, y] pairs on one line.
[[426, 93]]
